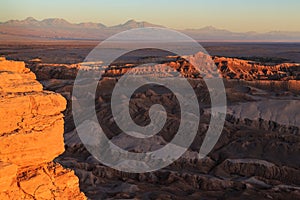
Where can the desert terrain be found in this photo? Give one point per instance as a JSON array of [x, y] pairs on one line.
[[255, 157]]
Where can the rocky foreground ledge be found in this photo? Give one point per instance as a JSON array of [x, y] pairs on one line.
[[31, 136]]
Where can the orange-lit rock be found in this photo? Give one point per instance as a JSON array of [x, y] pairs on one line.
[[31, 136]]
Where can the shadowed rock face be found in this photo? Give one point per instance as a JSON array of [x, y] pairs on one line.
[[255, 157], [30, 138]]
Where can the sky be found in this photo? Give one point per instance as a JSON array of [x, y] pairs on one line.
[[233, 15]]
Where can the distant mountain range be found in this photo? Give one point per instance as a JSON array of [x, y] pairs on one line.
[[55, 28]]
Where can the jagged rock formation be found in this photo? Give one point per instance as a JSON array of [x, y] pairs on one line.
[[252, 159], [31, 136], [255, 157], [230, 68], [233, 68]]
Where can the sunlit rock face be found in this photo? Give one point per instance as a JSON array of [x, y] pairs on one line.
[[31, 136]]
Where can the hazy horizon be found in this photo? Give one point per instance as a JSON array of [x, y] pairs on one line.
[[121, 23], [233, 15]]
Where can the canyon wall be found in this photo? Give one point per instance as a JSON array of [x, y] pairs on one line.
[[31, 136]]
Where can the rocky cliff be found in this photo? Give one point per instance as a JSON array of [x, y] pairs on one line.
[[31, 136]]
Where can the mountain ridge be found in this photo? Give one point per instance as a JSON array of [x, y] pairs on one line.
[[60, 21], [60, 28]]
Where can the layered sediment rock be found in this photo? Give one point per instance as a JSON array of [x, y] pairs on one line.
[[31, 136]]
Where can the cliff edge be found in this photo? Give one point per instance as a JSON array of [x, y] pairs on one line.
[[31, 136]]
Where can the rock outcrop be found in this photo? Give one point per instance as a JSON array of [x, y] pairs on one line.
[[233, 68], [230, 68], [31, 136]]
